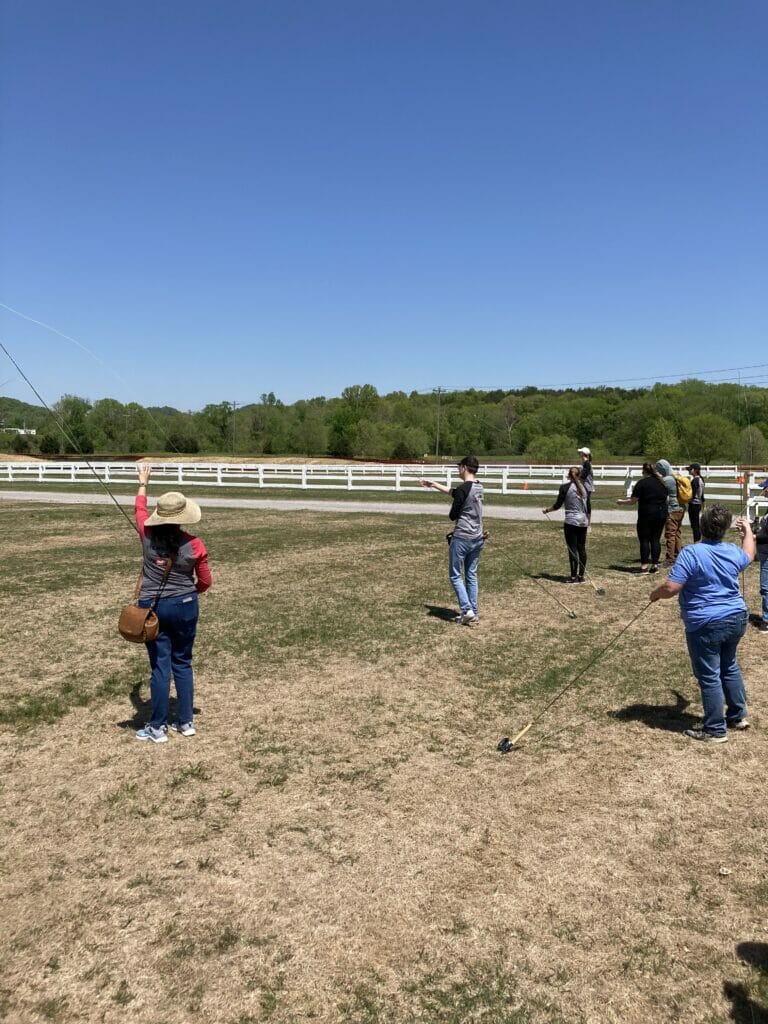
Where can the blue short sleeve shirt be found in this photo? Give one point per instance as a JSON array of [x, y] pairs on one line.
[[709, 573]]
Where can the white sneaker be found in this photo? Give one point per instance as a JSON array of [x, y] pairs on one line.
[[467, 618], [185, 728]]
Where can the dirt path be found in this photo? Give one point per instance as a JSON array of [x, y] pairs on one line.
[[315, 505]]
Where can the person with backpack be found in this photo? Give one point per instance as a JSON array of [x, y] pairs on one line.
[[705, 577], [465, 543], [675, 512], [697, 500], [573, 494], [178, 585]]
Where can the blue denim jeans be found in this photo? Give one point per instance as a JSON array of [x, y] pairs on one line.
[[172, 652], [764, 588], [713, 658], [463, 556]]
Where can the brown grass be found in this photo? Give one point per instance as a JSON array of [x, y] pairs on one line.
[[341, 841]]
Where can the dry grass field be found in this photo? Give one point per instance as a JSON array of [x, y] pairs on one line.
[[341, 841]]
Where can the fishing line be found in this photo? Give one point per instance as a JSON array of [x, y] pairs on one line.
[[60, 423], [98, 359], [600, 591], [570, 612], [507, 744]]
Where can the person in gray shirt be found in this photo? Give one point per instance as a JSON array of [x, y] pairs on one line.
[[573, 494], [675, 514], [466, 541]]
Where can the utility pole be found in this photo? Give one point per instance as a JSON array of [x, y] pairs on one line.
[[234, 425], [126, 417], [438, 392]]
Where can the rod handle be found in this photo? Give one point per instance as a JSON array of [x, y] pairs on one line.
[[521, 734]]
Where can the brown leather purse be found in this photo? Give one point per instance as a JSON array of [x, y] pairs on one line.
[[141, 625]]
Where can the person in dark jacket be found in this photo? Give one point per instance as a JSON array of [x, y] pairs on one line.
[[573, 494], [697, 501], [188, 575], [466, 541], [650, 496], [761, 539], [587, 478]]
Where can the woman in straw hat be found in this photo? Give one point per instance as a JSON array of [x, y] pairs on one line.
[[179, 584]]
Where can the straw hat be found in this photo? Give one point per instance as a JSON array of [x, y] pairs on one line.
[[173, 508]]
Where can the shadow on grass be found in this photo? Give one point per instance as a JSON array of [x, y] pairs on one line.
[[744, 1008], [142, 709], [436, 611], [671, 717], [548, 576], [633, 570]]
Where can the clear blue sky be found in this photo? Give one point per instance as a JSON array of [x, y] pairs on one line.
[[222, 199]]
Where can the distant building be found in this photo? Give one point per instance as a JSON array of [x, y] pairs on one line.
[[20, 430]]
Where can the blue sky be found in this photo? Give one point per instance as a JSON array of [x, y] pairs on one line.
[[223, 199]]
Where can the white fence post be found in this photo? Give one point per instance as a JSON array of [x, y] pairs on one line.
[[397, 478], [349, 478]]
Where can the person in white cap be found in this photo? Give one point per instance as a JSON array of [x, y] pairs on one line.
[[587, 477], [177, 585]]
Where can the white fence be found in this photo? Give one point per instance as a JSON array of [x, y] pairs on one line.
[[724, 483]]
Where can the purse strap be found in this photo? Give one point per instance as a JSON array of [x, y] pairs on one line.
[[163, 581]]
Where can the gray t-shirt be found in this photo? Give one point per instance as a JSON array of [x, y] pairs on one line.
[[575, 504], [467, 510]]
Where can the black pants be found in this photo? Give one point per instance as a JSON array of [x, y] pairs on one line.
[[576, 542], [649, 533], [694, 511]]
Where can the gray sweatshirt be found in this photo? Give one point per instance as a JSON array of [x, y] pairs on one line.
[[664, 470]]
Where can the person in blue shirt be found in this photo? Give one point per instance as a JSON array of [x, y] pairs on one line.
[[706, 578]]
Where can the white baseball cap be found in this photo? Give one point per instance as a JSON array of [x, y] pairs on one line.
[[584, 451]]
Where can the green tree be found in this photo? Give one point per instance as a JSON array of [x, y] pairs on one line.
[[754, 447], [710, 437], [20, 444], [551, 448], [661, 441], [49, 444], [73, 412]]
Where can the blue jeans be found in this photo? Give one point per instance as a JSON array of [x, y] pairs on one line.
[[764, 587], [713, 658], [463, 556], [172, 652]]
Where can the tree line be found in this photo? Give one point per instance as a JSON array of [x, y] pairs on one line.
[[691, 420]]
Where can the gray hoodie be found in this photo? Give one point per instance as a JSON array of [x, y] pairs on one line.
[[664, 470]]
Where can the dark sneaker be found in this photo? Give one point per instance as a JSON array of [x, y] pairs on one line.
[[763, 627], [740, 724], [706, 737], [653, 568]]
